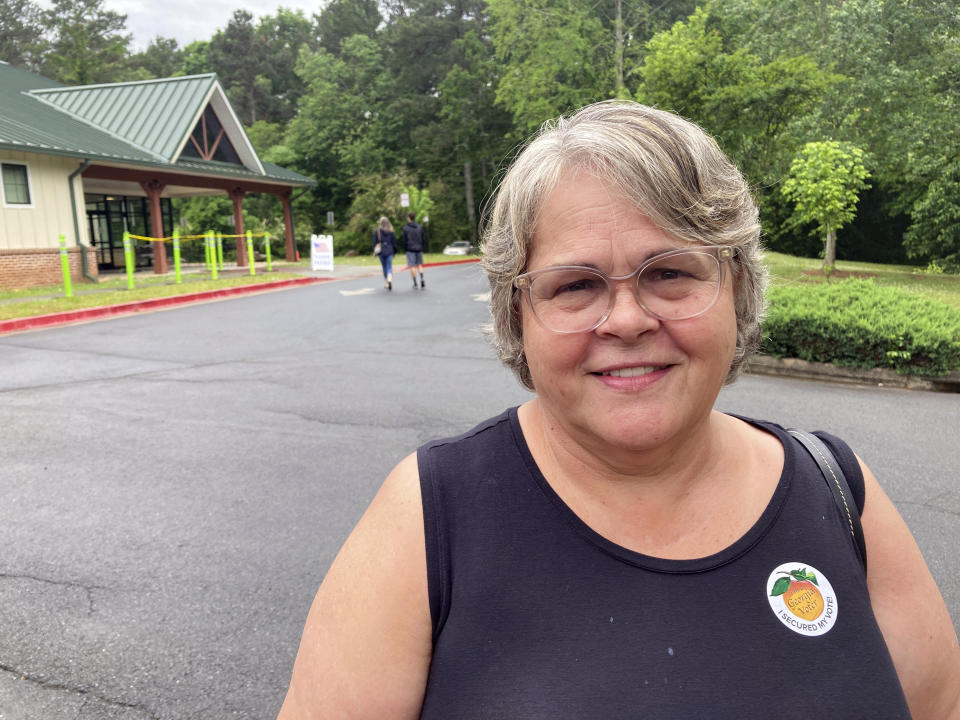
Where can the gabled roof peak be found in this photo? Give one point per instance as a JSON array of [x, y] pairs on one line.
[[139, 112]]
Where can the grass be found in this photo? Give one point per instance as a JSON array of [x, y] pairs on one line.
[[790, 270], [28, 302]]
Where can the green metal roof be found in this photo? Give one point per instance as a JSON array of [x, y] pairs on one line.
[[138, 112], [125, 123], [27, 125]]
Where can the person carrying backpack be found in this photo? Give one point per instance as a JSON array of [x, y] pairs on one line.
[[413, 244]]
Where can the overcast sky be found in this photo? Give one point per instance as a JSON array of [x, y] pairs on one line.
[[189, 20]]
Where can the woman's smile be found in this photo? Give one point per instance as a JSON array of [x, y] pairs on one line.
[[629, 372]]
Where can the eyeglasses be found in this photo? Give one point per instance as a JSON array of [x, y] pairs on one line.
[[675, 285]]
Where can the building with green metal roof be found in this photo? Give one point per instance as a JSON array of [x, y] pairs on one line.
[[90, 162]]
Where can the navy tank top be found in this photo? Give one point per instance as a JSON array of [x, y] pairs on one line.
[[538, 617]]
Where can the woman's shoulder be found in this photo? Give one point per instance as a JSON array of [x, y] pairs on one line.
[[493, 431], [470, 452]]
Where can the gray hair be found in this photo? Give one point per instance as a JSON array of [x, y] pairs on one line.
[[665, 166]]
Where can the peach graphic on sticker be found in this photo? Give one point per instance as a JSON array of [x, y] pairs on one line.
[[802, 598]]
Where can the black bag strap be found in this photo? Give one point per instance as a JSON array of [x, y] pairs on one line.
[[837, 483]]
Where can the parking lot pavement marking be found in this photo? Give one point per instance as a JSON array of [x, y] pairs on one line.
[[361, 291], [482, 297]]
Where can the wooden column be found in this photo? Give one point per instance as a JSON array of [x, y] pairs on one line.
[[288, 226], [153, 188], [237, 196]]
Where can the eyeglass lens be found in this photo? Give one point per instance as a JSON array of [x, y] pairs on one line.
[[674, 287]]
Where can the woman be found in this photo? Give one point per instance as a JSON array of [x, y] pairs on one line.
[[385, 238], [615, 548]]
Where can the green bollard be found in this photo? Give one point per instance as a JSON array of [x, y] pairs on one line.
[[176, 256], [65, 267], [211, 249], [206, 250], [220, 250], [128, 259], [266, 244], [253, 269]]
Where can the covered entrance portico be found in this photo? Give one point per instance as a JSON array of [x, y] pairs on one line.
[[139, 199]]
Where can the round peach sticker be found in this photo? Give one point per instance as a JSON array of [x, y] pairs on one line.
[[802, 598]]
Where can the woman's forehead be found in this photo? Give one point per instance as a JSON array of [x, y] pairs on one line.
[[584, 217]]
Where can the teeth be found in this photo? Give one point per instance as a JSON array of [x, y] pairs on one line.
[[631, 372]]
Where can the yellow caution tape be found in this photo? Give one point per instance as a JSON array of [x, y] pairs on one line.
[[191, 237]]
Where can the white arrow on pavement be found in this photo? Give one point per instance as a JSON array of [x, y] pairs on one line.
[[361, 291]]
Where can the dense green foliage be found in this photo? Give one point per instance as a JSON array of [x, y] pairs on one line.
[[858, 323], [437, 95]]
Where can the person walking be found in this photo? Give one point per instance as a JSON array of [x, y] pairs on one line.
[[385, 246], [413, 244]]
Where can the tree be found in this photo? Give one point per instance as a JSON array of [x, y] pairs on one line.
[[237, 58], [161, 58], [557, 55], [549, 52], [444, 123], [257, 62], [21, 33], [473, 129], [899, 97], [280, 38], [935, 232], [340, 19], [194, 59], [628, 26], [339, 132], [88, 45], [824, 184], [752, 107]]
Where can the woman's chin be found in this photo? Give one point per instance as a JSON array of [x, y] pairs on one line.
[[637, 431]]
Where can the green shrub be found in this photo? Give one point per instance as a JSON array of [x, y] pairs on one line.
[[857, 323], [358, 240]]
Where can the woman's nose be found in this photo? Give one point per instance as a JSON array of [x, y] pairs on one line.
[[627, 317]]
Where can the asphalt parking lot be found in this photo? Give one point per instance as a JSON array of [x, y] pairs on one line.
[[176, 483]]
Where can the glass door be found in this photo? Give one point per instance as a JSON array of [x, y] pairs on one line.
[[100, 238]]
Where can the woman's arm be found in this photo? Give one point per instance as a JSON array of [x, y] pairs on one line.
[[366, 646], [910, 611]]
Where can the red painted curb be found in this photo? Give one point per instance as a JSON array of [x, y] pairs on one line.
[[451, 262], [71, 316]]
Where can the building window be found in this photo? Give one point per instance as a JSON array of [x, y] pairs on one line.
[[16, 184]]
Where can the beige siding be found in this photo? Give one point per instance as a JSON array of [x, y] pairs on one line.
[[49, 216]]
